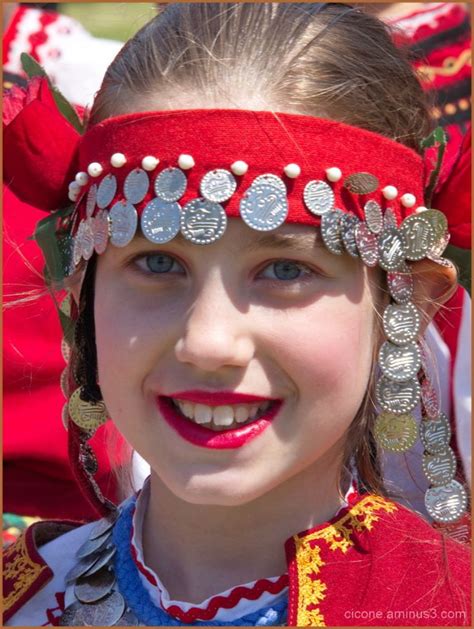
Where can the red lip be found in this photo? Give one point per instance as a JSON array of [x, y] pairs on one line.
[[207, 438], [217, 398]]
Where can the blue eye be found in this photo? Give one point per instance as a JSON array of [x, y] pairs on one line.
[[285, 270], [159, 263]]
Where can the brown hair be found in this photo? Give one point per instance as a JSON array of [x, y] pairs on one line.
[[326, 60]]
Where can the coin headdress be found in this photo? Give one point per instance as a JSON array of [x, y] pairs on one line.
[[164, 173]]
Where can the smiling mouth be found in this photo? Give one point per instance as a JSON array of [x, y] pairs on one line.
[[223, 417]]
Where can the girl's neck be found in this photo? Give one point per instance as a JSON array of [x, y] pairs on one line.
[[201, 550]]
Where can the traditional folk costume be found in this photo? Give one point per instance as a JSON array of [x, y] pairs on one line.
[[188, 172], [439, 38]]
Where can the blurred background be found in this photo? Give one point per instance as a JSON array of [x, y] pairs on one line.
[[116, 20]]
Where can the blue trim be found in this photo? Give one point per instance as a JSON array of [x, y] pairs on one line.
[[139, 600]]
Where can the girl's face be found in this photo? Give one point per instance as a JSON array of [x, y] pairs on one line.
[[271, 317]]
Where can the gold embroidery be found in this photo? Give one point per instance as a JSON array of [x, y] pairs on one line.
[[450, 67], [311, 590], [19, 570]]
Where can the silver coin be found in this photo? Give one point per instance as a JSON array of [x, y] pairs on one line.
[[91, 546], [446, 503], [218, 185], [160, 220], [77, 248], [80, 568], [440, 468], [93, 588], [203, 222], [123, 223], [373, 216], [264, 207], [170, 184], [136, 185], [419, 236], [106, 191], [435, 434], [104, 525], [91, 200], [128, 619], [389, 218], [401, 323], [397, 397], [106, 612], [331, 231], [400, 286], [87, 239], [441, 261], [270, 180], [438, 222], [72, 616], [437, 250], [399, 363], [101, 231], [349, 225], [367, 244], [318, 197], [104, 557], [430, 400], [392, 249]]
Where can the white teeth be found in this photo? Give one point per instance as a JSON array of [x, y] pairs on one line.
[[202, 414], [254, 411], [241, 414], [223, 416], [188, 409]]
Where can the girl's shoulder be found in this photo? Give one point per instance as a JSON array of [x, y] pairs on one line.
[[395, 570], [35, 569]]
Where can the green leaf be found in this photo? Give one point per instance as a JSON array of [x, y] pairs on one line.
[[67, 110], [32, 68], [47, 239], [437, 138]]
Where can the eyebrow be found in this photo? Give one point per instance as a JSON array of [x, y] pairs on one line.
[[298, 242]]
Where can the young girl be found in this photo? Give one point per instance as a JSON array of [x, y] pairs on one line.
[[252, 266]]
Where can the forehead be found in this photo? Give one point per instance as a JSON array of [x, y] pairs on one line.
[[239, 238]]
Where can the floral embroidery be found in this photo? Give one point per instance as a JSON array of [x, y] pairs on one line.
[[20, 572], [338, 537]]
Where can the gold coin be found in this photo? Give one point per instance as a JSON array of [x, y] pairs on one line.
[[65, 350], [86, 415], [65, 416], [361, 183], [396, 433], [65, 305], [64, 382]]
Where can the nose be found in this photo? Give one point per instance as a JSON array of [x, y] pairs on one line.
[[215, 333]]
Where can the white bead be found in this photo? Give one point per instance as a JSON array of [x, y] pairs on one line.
[[420, 209], [118, 160], [292, 171], [408, 200], [81, 178], [333, 174], [390, 193], [74, 187], [185, 161], [72, 195], [239, 167], [94, 169], [149, 162]]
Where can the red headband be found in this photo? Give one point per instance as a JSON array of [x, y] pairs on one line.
[[44, 152]]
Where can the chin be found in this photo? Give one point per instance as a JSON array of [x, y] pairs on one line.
[[225, 490]]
